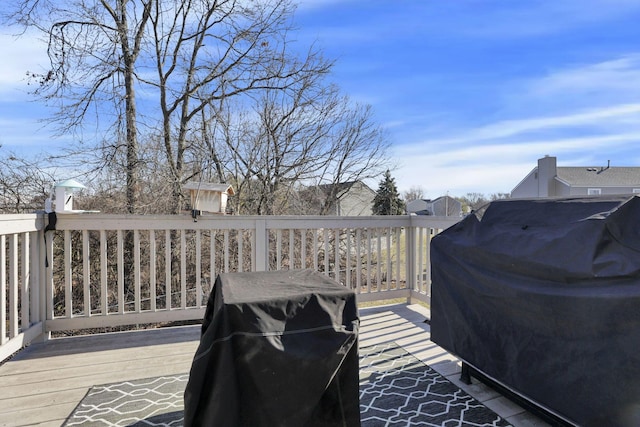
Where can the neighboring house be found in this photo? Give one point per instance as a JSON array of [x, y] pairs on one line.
[[353, 198], [549, 180], [442, 206]]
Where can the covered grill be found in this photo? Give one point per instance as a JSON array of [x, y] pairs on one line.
[[543, 297]]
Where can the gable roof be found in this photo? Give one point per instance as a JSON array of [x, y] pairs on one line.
[[597, 176], [207, 186]]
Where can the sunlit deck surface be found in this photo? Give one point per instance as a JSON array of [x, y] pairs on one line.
[[42, 384]]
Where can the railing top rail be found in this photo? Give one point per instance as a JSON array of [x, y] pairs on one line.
[[94, 221], [440, 222], [21, 223]]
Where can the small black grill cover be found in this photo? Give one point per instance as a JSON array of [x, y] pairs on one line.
[[544, 297], [277, 349]]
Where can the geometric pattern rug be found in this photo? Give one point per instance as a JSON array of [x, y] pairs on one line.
[[396, 389], [147, 402]]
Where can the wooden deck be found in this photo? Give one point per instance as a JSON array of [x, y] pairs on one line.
[[42, 384]]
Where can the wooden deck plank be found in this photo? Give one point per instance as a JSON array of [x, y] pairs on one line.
[[71, 373], [61, 362]]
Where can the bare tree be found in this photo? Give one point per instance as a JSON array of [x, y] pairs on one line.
[[473, 201], [181, 55], [413, 193], [359, 150], [499, 196], [308, 137], [24, 185], [93, 48], [215, 50]]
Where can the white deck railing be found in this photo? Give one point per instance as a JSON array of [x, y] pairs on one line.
[[100, 270], [21, 281]]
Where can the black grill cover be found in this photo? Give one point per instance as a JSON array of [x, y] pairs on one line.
[[277, 349], [544, 297]]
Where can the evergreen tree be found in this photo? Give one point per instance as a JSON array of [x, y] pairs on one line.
[[387, 200]]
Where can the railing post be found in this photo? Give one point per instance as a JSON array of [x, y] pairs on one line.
[[14, 286], [411, 257], [25, 282], [40, 270], [34, 275], [3, 290], [38, 278], [262, 245]]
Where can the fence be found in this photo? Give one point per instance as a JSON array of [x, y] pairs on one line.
[[98, 270]]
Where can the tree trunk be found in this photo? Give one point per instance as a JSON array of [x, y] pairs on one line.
[[133, 186]]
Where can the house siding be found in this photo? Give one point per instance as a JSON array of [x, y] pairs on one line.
[[442, 206], [357, 201], [563, 190], [583, 191], [527, 186], [417, 205], [549, 180]]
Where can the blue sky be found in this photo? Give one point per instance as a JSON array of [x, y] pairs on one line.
[[471, 93]]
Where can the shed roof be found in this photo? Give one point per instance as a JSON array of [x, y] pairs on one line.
[[206, 186]]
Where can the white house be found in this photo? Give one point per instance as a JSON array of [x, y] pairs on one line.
[[442, 206], [549, 180], [353, 198]]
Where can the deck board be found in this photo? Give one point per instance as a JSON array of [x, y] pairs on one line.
[[43, 383]]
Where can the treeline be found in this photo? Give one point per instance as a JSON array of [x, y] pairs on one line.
[[470, 201]]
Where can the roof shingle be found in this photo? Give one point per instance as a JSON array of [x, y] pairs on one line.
[[596, 176]]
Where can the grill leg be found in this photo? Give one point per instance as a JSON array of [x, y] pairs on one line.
[[465, 375]]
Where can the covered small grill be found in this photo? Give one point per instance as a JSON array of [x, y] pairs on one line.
[[278, 348]]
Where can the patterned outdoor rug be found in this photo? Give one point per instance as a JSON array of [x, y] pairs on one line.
[[396, 389], [148, 402]]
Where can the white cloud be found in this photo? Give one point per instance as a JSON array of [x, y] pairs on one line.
[[19, 55], [583, 114], [21, 132], [439, 176], [473, 19], [539, 18], [615, 78], [495, 158], [589, 118], [510, 129]]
